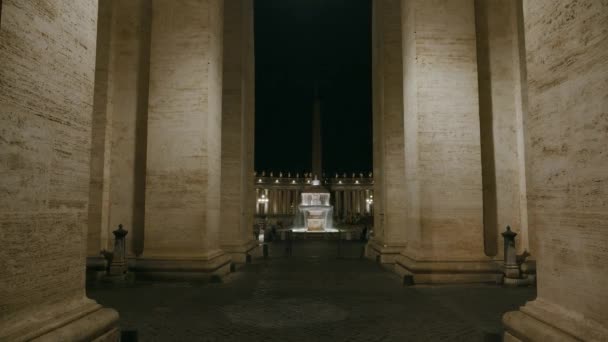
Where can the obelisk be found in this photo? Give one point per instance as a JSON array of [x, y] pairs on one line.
[[316, 136]]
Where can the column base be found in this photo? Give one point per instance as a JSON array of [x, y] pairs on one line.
[[88, 322], [209, 268], [539, 321], [447, 272], [241, 253], [382, 253]]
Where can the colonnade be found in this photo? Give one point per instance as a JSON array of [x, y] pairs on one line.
[[65, 116], [352, 201], [277, 201]]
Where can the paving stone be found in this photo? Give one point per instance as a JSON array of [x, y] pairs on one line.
[[304, 298]]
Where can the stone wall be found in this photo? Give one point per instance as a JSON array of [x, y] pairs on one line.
[[567, 129], [47, 69]]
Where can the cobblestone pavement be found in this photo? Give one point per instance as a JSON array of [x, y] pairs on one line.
[[311, 296]]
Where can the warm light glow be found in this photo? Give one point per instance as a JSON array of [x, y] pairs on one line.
[[263, 199]]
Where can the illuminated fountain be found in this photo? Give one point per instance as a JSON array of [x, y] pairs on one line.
[[315, 214]]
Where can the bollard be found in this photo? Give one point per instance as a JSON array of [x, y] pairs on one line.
[[265, 249], [118, 268], [510, 254], [513, 275], [119, 261]]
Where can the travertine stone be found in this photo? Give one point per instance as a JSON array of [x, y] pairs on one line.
[[237, 191], [184, 137], [442, 142], [501, 104], [119, 125], [567, 135], [47, 68], [389, 174]]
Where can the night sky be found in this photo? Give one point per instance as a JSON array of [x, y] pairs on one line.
[[299, 43]]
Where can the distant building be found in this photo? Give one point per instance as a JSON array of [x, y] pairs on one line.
[[278, 197]]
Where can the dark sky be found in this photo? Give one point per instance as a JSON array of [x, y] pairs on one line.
[[298, 43]]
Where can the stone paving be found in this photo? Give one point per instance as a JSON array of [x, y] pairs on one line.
[[311, 296]]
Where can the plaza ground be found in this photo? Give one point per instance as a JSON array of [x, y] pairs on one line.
[[323, 292]]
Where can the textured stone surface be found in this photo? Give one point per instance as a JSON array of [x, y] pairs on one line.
[[47, 59], [389, 173], [311, 297], [567, 131], [442, 142], [499, 48], [237, 191], [119, 124], [184, 130]]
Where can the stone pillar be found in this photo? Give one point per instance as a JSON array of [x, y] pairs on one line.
[[346, 202], [338, 203], [567, 53], [501, 103], [237, 131], [184, 141], [387, 64], [444, 228], [47, 70], [119, 126]]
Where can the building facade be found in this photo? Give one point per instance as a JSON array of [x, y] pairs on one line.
[[278, 195]]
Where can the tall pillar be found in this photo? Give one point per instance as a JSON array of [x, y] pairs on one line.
[[567, 171], [281, 201], [270, 201], [47, 71], [337, 203], [119, 127], [387, 64], [444, 228], [184, 141], [237, 131], [501, 104]]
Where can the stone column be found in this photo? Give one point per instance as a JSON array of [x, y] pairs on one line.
[[237, 131], [501, 75], [389, 182], [184, 141], [361, 202], [270, 201], [566, 131], [444, 228], [338, 202], [47, 71], [346, 202], [119, 126]]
